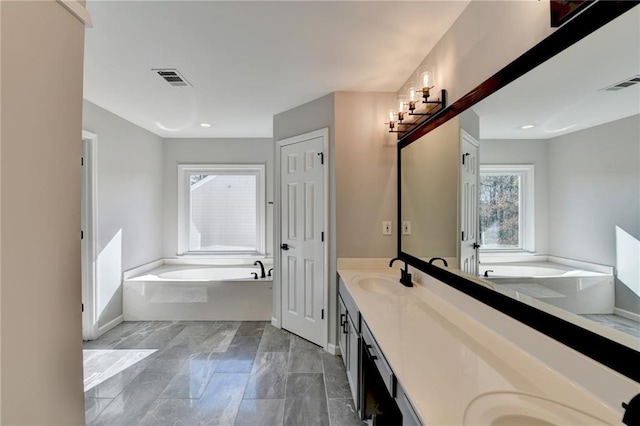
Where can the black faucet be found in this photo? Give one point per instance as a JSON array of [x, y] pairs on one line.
[[405, 276], [269, 273], [486, 272], [262, 273], [255, 275], [438, 258]]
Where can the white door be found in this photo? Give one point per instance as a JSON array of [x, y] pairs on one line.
[[470, 170], [302, 238]]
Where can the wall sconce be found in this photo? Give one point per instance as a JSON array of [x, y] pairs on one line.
[[408, 104]]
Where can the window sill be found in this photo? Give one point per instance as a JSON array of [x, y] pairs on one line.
[[514, 256]]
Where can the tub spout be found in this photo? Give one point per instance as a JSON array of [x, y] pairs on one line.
[[486, 272], [262, 273]]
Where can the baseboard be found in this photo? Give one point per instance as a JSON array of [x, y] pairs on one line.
[[108, 326], [274, 322], [629, 315], [333, 349]]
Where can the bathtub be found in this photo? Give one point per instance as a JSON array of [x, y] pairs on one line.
[[197, 293], [570, 286]]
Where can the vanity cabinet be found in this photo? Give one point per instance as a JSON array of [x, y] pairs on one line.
[[349, 340], [374, 387]]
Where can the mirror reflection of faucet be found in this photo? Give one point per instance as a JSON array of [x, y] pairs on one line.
[[486, 273], [446, 265], [405, 276], [262, 273]]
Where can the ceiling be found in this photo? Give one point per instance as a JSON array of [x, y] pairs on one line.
[[564, 94], [248, 61]]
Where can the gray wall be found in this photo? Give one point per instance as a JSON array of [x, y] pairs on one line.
[[366, 175], [526, 151], [314, 115], [129, 202], [487, 36], [41, 79], [210, 151], [595, 176], [430, 180]]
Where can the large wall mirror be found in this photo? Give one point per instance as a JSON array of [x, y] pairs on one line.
[[533, 194]]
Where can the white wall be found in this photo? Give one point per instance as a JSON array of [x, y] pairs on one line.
[[526, 151], [210, 151], [42, 55], [129, 199]]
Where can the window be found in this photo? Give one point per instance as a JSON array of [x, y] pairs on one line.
[[221, 209], [506, 208]]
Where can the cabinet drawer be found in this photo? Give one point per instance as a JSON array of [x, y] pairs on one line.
[[372, 347], [409, 416]]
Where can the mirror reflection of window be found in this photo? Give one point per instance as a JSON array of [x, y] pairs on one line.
[[506, 207]]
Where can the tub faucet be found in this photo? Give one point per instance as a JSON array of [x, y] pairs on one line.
[[486, 272], [255, 275], [405, 276], [262, 273], [438, 258], [269, 273]]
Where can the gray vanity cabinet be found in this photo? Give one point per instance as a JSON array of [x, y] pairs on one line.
[[349, 340]]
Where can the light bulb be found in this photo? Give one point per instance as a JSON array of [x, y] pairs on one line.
[[391, 115], [411, 92], [425, 77]]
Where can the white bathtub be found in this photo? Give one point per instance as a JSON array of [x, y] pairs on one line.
[[197, 293], [566, 286]]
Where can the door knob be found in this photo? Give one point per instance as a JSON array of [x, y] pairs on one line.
[[284, 246], [476, 245]]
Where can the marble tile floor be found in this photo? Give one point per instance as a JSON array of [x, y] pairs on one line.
[[212, 373], [617, 322]]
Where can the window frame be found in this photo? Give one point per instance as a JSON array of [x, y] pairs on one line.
[[526, 217], [184, 205]]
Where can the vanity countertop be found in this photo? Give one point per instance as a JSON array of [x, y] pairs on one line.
[[449, 363]]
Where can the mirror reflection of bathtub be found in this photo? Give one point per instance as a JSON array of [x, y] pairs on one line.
[[579, 288]]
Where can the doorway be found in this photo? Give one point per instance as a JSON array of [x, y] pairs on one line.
[[302, 254]]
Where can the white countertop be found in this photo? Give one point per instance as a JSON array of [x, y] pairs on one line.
[[449, 363]]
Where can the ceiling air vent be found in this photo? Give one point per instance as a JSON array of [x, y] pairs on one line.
[[173, 77], [623, 84]]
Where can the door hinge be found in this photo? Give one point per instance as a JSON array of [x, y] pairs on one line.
[[322, 236], [82, 161], [81, 234], [321, 154], [463, 156], [322, 314], [83, 307], [462, 235]]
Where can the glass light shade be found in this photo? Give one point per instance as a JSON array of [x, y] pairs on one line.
[[401, 102], [392, 115], [411, 93], [426, 77]]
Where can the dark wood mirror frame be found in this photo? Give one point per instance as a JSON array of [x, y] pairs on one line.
[[616, 356]]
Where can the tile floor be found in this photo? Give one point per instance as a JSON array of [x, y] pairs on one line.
[[617, 322], [212, 373]]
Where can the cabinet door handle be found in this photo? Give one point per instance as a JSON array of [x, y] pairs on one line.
[[345, 326], [367, 348], [342, 320]]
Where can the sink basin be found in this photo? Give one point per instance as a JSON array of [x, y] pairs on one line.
[[380, 285]]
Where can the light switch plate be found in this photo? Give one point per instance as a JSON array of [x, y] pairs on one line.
[[386, 227], [406, 227]]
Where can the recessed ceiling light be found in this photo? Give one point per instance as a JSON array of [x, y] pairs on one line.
[[205, 125], [527, 126]]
